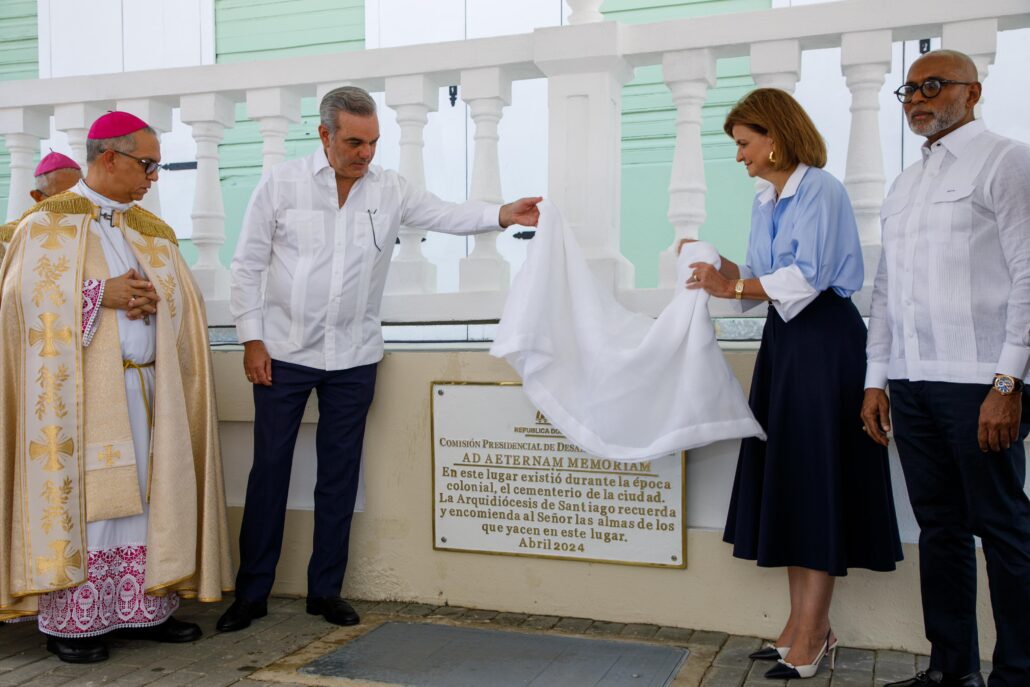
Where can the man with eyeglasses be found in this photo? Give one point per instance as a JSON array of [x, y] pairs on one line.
[[55, 173], [111, 504], [949, 334]]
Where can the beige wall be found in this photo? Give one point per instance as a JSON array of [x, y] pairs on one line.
[[392, 555]]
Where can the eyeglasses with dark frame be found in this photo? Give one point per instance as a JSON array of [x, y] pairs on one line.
[[149, 166], [930, 88]]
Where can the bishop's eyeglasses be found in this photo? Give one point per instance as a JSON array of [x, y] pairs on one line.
[[149, 166], [930, 88]]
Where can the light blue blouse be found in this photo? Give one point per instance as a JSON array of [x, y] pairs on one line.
[[811, 226]]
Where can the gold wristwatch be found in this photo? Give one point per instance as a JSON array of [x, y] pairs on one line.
[[738, 289], [1006, 385]]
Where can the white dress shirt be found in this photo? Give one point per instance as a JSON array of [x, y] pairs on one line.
[[308, 276], [951, 300]]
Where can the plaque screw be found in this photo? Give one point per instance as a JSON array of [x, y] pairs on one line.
[[443, 540], [439, 392], [673, 558]]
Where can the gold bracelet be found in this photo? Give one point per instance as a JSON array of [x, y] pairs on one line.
[[738, 290]]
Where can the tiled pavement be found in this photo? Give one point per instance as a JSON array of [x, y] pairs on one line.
[[716, 659]]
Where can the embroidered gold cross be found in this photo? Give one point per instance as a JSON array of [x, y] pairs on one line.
[[109, 455], [56, 498], [49, 273], [156, 254], [52, 448], [52, 230], [60, 562], [50, 335], [50, 384]]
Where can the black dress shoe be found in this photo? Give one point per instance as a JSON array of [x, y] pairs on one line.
[[171, 631], [935, 678], [240, 614], [85, 650], [334, 609]]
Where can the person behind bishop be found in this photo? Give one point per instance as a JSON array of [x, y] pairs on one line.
[[111, 496], [307, 281], [55, 173]]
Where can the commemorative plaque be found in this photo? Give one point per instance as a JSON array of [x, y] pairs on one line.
[[505, 481]]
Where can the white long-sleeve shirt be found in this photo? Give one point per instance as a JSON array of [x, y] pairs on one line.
[[951, 300], [324, 267]]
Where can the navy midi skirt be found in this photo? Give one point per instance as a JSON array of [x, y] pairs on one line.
[[817, 494]]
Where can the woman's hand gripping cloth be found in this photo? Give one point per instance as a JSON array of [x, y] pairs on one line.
[[617, 383]]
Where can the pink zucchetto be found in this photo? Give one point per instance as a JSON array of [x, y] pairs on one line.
[[115, 124], [54, 162]]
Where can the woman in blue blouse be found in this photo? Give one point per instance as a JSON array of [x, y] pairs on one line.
[[816, 496]]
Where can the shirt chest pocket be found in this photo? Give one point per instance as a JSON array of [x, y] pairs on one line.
[[305, 231], [369, 230], [950, 216]]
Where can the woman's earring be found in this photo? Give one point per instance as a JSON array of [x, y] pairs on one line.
[[772, 157]]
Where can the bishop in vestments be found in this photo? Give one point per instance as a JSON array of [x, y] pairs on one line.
[[54, 174], [112, 503]]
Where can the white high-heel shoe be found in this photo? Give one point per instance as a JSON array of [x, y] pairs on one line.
[[783, 670]]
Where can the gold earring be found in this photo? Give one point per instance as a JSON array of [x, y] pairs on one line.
[[772, 157]]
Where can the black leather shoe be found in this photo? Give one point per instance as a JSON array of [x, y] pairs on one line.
[[766, 653], [171, 631], [334, 609], [925, 678], [85, 650], [971, 680], [240, 614]]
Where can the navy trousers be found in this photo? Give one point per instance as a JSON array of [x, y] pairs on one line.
[[957, 491], [344, 397]]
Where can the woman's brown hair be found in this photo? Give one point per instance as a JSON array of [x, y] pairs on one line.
[[774, 113]]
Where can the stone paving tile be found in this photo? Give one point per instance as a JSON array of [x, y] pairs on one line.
[[578, 625], [892, 666], [679, 635], [541, 622], [387, 607], [449, 611], [856, 660], [724, 676], [416, 610], [735, 651], [707, 639], [509, 619], [820, 680], [639, 631], [756, 676], [605, 629], [29, 671], [478, 616]]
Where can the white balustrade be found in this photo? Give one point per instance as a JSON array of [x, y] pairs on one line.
[[22, 129], [412, 98], [979, 40], [586, 63], [776, 64], [209, 114], [75, 119], [273, 109], [689, 74], [158, 114], [486, 91]]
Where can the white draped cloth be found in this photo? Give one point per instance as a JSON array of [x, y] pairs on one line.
[[617, 383]]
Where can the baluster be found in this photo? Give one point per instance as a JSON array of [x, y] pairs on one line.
[[209, 114], [412, 98], [486, 91], [979, 40], [22, 128], [273, 109], [158, 115], [585, 130], [74, 119], [776, 64], [584, 11], [865, 60], [689, 74]]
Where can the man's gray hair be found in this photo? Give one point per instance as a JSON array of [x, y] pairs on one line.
[[349, 99], [123, 144]]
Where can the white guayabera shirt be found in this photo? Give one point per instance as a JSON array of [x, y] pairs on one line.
[[324, 266], [951, 301]]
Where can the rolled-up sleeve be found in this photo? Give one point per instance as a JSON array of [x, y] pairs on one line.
[[250, 262]]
